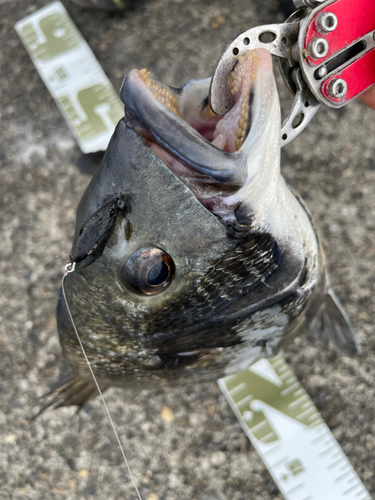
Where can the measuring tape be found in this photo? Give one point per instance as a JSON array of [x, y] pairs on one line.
[[73, 76], [289, 434], [274, 410]]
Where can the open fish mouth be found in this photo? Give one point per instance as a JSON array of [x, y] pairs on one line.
[[209, 153]]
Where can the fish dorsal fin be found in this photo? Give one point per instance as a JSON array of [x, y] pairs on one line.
[[332, 322]]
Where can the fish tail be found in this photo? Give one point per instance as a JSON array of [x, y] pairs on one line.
[[72, 391], [332, 322]]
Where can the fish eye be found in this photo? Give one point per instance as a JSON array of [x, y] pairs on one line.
[[148, 271]]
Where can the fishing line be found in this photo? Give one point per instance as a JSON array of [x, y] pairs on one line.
[[69, 268]]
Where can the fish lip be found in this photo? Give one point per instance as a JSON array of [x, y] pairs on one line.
[[174, 134]]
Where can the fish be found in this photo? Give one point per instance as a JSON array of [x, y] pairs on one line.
[[193, 257]]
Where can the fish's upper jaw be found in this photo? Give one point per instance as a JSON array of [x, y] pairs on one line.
[[216, 156]]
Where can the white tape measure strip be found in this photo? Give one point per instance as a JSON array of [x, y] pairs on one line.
[[289, 434], [72, 75]]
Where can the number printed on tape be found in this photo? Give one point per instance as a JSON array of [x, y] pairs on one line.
[[289, 434], [73, 76]]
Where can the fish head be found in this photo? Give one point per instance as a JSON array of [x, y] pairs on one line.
[[187, 229]]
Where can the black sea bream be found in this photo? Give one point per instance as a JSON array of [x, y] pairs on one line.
[[193, 257]]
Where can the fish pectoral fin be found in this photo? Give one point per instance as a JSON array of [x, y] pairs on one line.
[[332, 322], [72, 392]]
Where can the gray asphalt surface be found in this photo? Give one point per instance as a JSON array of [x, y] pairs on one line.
[[197, 446]]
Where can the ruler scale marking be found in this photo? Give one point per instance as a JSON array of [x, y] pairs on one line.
[[351, 489], [326, 451], [340, 478], [298, 401], [295, 488]]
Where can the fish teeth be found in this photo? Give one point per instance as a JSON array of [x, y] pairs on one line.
[[162, 94], [241, 78]]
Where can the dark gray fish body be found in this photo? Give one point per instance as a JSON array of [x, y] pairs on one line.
[[192, 259]]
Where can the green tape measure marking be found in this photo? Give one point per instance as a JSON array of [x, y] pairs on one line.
[[72, 75], [289, 434]]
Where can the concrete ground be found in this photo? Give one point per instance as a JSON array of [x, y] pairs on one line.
[[196, 449]]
